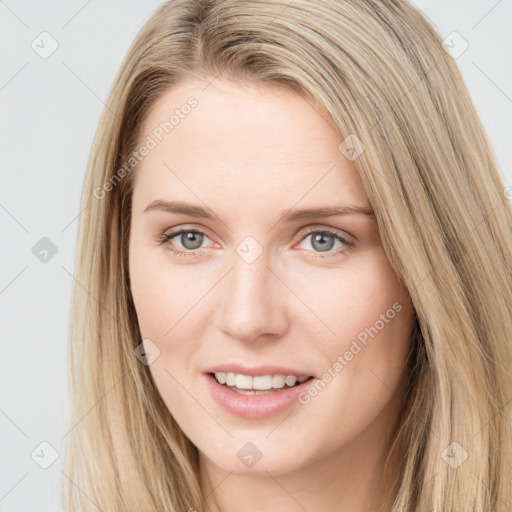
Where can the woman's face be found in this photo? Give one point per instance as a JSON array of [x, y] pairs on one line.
[[253, 287]]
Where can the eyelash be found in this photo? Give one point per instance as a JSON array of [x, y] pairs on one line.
[[348, 245]]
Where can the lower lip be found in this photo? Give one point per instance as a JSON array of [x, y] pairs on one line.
[[255, 406]]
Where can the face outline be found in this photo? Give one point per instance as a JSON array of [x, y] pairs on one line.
[[235, 154]]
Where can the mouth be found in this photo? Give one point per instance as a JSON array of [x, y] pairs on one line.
[[258, 385], [238, 395]]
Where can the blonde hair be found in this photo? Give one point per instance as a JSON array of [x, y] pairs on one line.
[[381, 73]]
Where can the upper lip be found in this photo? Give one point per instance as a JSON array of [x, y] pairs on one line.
[[255, 371]]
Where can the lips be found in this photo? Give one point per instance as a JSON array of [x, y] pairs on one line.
[[255, 406], [255, 371]]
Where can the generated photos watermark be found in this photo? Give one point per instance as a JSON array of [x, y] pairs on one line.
[[157, 135], [344, 359]]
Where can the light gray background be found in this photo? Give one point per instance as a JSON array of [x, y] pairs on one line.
[[50, 109]]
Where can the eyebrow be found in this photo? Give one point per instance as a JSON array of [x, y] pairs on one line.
[[191, 210]]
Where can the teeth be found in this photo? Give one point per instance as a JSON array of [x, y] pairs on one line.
[[263, 382], [278, 381], [290, 380], [243, 382]]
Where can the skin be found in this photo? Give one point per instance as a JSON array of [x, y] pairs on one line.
[[249, 153]]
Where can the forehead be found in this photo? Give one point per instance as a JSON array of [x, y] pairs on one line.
[[240, 142]]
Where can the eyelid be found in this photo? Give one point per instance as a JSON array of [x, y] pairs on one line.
[[187, 227], [329, 229]]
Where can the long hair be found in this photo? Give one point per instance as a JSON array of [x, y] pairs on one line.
[[381, 73]]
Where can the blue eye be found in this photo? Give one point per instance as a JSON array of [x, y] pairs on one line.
[[191, 239], [324, 240]]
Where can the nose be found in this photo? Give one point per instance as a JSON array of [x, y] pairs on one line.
[[252, 301]]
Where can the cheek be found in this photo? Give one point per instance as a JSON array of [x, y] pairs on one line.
[[349, 300], [172, 312], [163, 293], [364, 336], [168, 304]]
